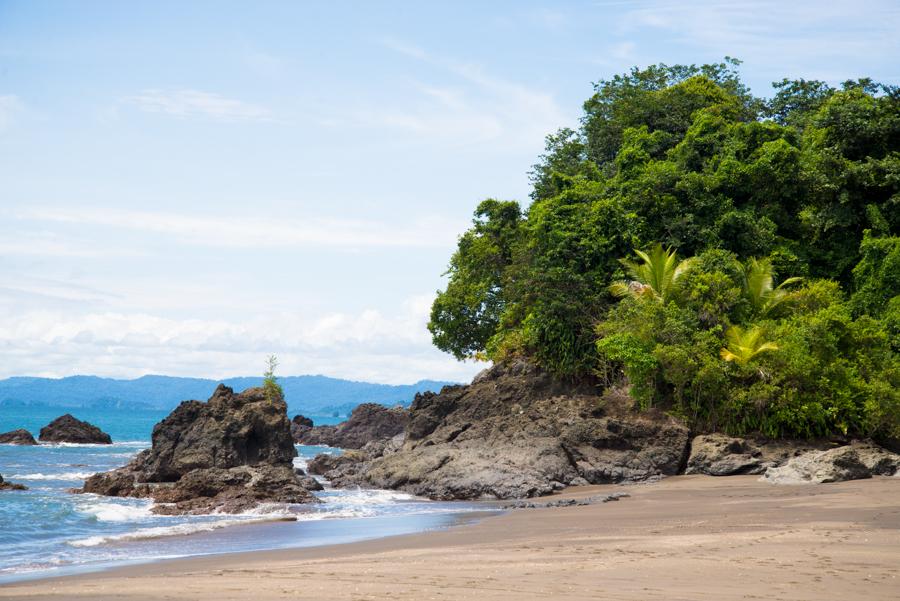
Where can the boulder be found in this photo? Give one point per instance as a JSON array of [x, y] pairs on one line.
[[723, 455], [19, 437], [67, 428], [858, 460], [368, 422], [517, 432], [227, 455], [10, 485]]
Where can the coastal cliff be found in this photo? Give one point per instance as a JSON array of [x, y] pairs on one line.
[[516, 431]]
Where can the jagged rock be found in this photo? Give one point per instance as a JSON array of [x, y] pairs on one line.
[[855, 461], [368, 422], [11, 485], [324, 462], [19, 437], [518, 432], [227, 454], [300, 425], [67, 428]]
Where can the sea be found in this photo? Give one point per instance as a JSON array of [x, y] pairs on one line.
[[49, 531]]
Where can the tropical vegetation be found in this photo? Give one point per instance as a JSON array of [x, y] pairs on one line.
[[731, 259]]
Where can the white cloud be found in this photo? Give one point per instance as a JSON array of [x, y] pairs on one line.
[[251, 232], [192, 103], [368, 345]]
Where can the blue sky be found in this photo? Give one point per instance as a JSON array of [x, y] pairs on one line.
[[186, 187]]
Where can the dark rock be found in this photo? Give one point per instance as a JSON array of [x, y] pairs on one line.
[[227, 454], [301, 421], [67, 428], [11, 485], [855, 461], [326, 462], [19, 437], [567, 502], [517, 432], [368, 422], [299, 426]]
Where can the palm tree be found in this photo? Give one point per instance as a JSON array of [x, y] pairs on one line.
[[656, 277], [758, 287], [742, 346]]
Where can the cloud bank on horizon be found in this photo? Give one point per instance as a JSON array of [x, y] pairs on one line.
[[185, 189]]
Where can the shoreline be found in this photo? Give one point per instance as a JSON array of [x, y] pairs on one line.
[[666, 541]]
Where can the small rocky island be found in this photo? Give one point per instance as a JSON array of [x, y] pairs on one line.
[[70, 429], [228, 454], [18, 437], [368, 422]]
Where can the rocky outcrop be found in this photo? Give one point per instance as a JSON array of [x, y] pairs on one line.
[[10, 485], [855, 461], [228, 454], [517, 432], [369, 422], [19, 437], [67, 428], [723, 455]]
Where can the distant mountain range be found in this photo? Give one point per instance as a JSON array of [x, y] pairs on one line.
[[310, 395]]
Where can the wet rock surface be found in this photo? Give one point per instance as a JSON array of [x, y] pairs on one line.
[[19, 437], [11, 485], [228, 454], [369, 422], [516, 432], [68, 428]]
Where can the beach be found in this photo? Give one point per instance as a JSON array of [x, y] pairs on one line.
[[686, 537]]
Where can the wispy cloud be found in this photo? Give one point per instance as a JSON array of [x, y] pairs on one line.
[[194, 103], [471, 106], [250, 232], [772, 31], [10, 105]]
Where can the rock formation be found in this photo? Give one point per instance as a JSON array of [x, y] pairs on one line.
[[516, 432], [19, 437], [10, 485], [723, 455], [228, 454], [855, 461], [367, 423], [67, 428]]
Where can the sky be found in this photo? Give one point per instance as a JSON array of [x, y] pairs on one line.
[[188, 187]]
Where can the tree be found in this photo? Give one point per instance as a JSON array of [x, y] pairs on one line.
[[467, 313], [743, 346], [657, 276], [271, 386], [757, 286]]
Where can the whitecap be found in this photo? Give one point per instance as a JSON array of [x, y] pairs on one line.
[[61, 476], [105, 511], [166, 531]]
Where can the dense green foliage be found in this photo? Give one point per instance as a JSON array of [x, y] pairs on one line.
[[785, 317]]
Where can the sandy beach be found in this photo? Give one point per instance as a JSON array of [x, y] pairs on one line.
[[687, 537]]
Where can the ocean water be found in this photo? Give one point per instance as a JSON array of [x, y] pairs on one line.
[[47, 530]]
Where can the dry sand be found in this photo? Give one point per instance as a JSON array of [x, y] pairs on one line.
[[690, 537]]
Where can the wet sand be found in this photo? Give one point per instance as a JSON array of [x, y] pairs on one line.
[[685, 538]]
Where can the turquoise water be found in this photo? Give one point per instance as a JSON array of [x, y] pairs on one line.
[[47, 530]]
